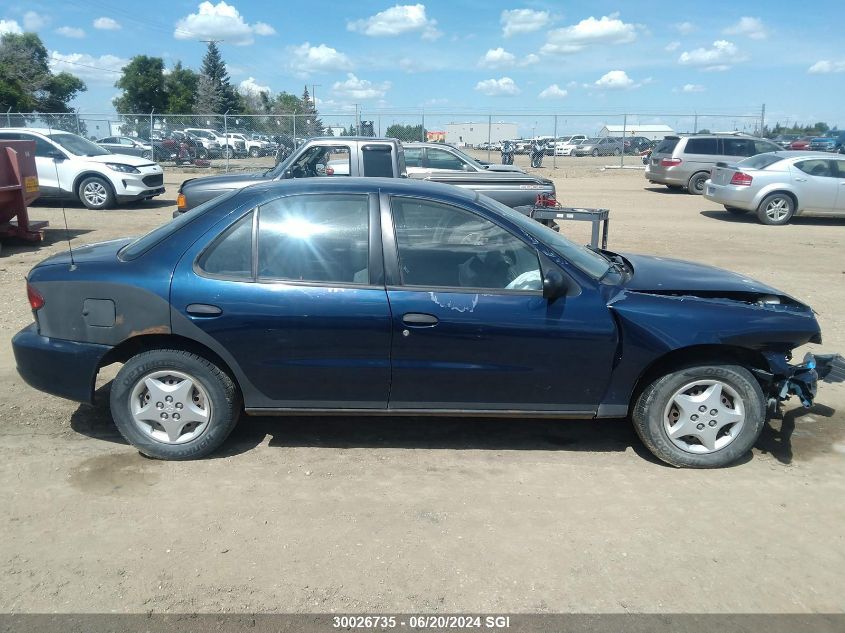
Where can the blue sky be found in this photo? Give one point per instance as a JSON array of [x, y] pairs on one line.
[[474, 55]]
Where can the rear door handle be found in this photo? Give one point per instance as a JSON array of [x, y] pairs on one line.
[[203, 310], [800, 180], [418, 319]]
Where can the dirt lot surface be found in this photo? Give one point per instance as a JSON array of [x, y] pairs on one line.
[[420, 515]]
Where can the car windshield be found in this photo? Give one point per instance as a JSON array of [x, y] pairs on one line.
[[760, 161], [78, 145], [146, 242], [582, 257]]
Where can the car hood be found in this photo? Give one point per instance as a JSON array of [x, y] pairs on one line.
[[124, 159], [496, 167], [675, 276], [222, 181]]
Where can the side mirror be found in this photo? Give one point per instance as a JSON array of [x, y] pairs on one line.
[[56, 154], [554, 284], [288, 174]]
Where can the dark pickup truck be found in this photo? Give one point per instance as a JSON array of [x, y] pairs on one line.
[[363, 156]]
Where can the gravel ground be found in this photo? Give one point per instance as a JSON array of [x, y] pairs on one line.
[[421, 515]]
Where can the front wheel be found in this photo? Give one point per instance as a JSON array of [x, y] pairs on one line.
[[96, 193], [595, 152], [174, 405], [776, 209], [704, 416], [254, 152], [147, 155]]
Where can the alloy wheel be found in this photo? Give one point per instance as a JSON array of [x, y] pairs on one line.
[[777, 209], [95, 193]]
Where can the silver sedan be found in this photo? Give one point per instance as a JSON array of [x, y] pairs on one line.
[[777, 186]]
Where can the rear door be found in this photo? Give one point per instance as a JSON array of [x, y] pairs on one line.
[[293, 290], [817, 184], [839, 166]]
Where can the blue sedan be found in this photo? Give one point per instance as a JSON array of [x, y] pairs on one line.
[[371, 296]]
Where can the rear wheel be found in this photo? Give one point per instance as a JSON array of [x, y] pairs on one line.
[[95, 192], [696, 183], [595, 152], [776, 209], [704, 416], [146, 155], [735, 210], [175, 405], [616, 152], [228, 153], [254, 152]]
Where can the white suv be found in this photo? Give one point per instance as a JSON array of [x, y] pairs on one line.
[[565, 144], [70, 166]]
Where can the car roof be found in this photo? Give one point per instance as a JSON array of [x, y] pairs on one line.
[[794, 154], [404, 186], [35, 130]]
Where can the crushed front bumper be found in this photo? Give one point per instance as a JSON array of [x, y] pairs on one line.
[[785, 380]]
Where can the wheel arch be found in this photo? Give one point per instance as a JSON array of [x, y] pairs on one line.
[[87, 174], [791, 194], [146, 342], [697, 355]]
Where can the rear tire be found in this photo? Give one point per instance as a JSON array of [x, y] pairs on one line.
[[670, 406], [254, 153], [595, 152], [696, 183], [96, 193], [203, 406], [776, 209]]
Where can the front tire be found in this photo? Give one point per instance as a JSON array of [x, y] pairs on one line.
[[595, 153], [96, 193], [174, 405], [776, 209], [703, 416], [147, 155]]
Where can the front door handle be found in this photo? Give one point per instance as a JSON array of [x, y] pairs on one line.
[[800, 180], [203, 310], [418, 319]]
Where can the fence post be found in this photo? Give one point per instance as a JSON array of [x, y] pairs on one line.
[[9, 117], [422, 127], [226, 137], [554, 147], [294, 128], [152, 149], [489, 134], [77, 123], [624, 130], [695, 124]]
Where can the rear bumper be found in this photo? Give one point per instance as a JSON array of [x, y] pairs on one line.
[[731, 195], [665, 177], [66, 369]]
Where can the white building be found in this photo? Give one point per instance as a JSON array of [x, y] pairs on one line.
[[477, 133], [651, 132]]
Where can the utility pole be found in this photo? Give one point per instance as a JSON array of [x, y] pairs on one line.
[[314, 93], [762, 119]]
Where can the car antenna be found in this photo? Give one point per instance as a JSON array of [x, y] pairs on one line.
[[64, 211]]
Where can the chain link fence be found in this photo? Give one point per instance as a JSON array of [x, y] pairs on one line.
[[247, 141]]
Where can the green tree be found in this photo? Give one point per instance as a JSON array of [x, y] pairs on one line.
[[142, 83], [180, 86], [215, 88], [310, 121], [26, 82], [406, 132]]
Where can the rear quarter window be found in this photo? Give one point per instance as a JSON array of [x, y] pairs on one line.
[[666, 146]]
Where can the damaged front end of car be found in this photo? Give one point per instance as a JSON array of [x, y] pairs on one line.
[[785, 380]]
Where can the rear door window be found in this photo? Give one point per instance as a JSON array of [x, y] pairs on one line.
[[413, 156], [441, 159], [707, 146], [738, 147], [761, 147], [377, 161], [816, 167]]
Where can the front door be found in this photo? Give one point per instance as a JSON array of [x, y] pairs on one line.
[[471, 329], [816, 184], [293, 291]]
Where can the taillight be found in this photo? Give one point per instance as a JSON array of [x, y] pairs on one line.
[[741, 179], [35, 298], [546, 200], [670, 162]]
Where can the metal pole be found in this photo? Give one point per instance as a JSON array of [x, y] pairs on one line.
[[294, 128], [554, 147], [9, 117], [489, 134], [77, 123], [695, 124], [624, 129], [422, 130], [762, 120], [379, 126], [152, 150], [226, 137]]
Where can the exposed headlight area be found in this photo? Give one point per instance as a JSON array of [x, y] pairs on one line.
[[125, 169]]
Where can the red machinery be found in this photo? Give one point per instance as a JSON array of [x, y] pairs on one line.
[[18, 188]]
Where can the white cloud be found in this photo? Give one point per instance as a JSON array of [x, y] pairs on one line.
[[692, 88], [398, 19], [615, 79], [32, 21], [517, 21], [354, 88], [250, 87], [685, 27], [825, 66], [219, 21], [88, 67], [308, 59], [107, 24], [71, 31], [749, 27], [672, 46], [720, 57], [497, 58], [529, 59], [609, 29], [497, 87], [553, 92], [9, 26]]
